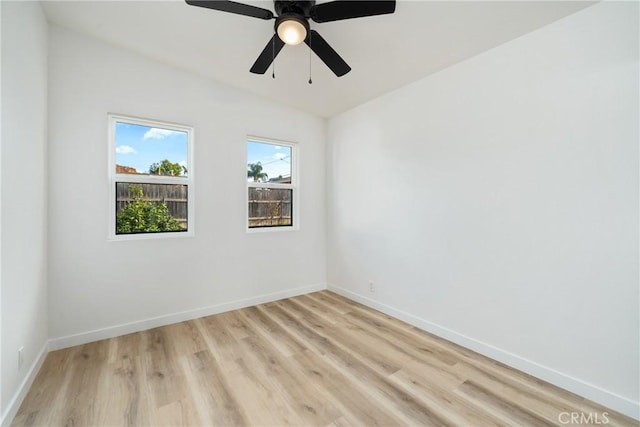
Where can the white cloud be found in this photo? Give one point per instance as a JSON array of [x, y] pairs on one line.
[[125, 149], [157, 133], [279, 156], [277, 147]]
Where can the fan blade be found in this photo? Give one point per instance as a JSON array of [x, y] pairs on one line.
[[233, 7], [270, 51], [338, 10], [327, 54]]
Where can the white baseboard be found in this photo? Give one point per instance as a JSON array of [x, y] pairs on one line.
[[574, 385], [12, 409], [154, 322]]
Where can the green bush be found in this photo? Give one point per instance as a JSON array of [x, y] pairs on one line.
[[144, 216]]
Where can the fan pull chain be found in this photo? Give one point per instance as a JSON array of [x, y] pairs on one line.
[[310, 81], [273, 55]]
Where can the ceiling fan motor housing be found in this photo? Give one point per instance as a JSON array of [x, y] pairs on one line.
[[300, 9]]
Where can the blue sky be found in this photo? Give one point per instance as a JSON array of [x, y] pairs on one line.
[[139, 146], [275, 159]]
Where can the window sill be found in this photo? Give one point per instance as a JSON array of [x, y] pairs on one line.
[[258, 230], [150, 236]]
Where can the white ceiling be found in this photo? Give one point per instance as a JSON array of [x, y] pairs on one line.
[[385, 52]]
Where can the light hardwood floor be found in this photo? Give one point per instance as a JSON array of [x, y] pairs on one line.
[[313, 360]]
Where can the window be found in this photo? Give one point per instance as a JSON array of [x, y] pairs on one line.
[[271, 185], [151, 178]]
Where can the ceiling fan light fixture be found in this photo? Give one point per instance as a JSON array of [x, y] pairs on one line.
[[292, 31]]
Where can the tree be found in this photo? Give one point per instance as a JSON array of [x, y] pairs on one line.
[[145, 216], [255, 172], [167, 168]]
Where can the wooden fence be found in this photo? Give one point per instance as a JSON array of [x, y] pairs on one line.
[[270, 207], [173, 195]]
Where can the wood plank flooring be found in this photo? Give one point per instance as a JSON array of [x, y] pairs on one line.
[[312, 360]]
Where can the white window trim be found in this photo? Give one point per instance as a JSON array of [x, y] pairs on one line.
[[295, 185], [149, 179]]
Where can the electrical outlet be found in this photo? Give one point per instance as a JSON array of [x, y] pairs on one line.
[[20, 357], [372, 287]]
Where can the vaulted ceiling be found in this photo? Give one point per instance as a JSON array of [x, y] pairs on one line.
[[385, 52]]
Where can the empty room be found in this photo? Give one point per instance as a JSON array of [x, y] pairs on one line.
[[331, 213]]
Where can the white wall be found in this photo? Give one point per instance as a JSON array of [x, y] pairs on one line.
[[96, 283], [24, 202], [496, 203], [1, 102]]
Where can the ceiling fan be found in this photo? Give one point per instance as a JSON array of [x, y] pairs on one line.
[[292, 25]]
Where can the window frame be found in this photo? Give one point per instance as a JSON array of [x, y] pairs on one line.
[[149, 179], [294, 186]]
